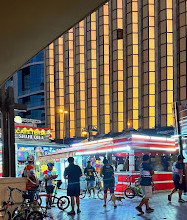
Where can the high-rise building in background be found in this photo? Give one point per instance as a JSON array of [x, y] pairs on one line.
[[123, 66], [28, 85]]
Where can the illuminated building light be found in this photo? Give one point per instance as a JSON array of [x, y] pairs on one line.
[[127, 148]]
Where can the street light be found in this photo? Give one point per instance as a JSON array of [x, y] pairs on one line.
[[63, 111]]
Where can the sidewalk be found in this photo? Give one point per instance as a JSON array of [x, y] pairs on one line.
[[92, 209]]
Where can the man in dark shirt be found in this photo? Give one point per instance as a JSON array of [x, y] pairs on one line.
[[177, 169], [73, 173], [90, 178], [107, 171], [146, 172]]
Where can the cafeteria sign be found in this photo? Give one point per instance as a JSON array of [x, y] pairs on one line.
[[29, 133]]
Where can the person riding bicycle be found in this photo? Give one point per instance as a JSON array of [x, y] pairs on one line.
[[89, 172], [49, 177], [107, 172], [32, 181]]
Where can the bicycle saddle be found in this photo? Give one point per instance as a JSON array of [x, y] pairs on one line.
[[11, 188]]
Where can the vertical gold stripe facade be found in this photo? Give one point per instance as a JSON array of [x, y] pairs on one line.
[[166, 61], [104, 99], [114, 82], [117, 73], [71, 85], [148, 53], [50, 95], [59, 88], [82, 75], [181, 50], [132, 62]]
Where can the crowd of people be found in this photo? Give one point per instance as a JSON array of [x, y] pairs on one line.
[[73, 173]]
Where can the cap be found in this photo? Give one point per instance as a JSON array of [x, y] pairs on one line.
[[50, 164]]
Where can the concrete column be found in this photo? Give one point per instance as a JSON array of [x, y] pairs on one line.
[[131, 161]]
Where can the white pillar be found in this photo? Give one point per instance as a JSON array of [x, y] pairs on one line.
[[131, 161]]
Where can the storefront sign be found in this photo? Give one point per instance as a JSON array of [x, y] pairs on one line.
[[32, 133]]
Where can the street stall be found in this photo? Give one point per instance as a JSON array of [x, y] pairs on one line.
[[125, 155], [35, 141]]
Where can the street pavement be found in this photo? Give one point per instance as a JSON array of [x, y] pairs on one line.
[[92, 209]]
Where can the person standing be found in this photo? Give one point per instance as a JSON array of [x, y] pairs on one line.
[[107, 172], [32, 182], [73, 173], [177, 170], [89, 172], [146, 172], [49, 177]]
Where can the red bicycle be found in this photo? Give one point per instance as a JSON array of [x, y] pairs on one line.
[[61, 202]]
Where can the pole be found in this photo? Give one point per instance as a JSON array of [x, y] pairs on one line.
[[4, 133], [11, 131], [64, 128], [178, 130]]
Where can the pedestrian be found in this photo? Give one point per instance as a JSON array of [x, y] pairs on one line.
[[107, 172], [146, 172], [89, 172], [49, 177], [177, 170], [73, 173], [32, 181]]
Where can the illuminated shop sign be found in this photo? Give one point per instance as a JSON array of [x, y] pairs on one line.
[[32, 133]]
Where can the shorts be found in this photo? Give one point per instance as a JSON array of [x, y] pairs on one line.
[[49, 189], [90, 184], [73, 189], [109, 186], [178, 185], [147, 191]]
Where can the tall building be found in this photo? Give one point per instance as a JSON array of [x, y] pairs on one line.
[[28, 85], [123, 66]]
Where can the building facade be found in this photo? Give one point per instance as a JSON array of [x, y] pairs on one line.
[[123, 66], [28, 85]]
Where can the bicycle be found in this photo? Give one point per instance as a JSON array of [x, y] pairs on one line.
[[133, 190], [16, 214], [26, 210], [61, 202], [6, 204], [98, 187]]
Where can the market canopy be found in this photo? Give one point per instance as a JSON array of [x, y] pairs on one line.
[[114, 145], [27, 27]]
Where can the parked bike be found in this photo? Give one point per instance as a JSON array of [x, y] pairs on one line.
[[133, 190], [61, 202]]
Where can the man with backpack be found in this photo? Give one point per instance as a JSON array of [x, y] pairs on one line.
[[107, 172]]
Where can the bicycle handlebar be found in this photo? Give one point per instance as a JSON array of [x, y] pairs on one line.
[[128, 177]]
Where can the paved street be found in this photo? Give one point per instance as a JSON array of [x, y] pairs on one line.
[[92, 209]]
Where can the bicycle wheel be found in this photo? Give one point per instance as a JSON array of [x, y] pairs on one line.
[[35, 215], [100, 194], [130, 193], [82, 194], [63, 203]]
